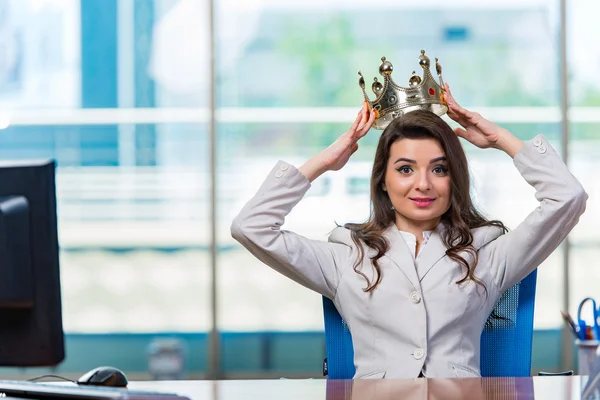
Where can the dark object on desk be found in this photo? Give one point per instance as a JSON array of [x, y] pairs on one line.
[[48, 391], [31, 332], [563, 373], [104, 376], [505, 346]]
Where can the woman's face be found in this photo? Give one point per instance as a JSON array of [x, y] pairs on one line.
[[418, 183]]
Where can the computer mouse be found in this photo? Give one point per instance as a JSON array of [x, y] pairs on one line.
[[104, 376]]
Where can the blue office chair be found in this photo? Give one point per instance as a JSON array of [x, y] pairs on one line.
[[505, 343]]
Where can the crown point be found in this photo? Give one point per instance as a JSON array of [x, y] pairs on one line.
[[361, 80], [377, 87], [386, 67], [438, 67], [423, 60], [414, 79]]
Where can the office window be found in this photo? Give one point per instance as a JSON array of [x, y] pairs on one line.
[[115, 91], [288, 87]]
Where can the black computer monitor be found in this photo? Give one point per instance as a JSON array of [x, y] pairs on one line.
[[31, 332]]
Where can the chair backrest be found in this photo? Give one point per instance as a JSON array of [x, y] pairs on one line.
[[505, 343]]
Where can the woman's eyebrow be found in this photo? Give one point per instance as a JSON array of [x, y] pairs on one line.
[[438, 159], [408, 160]]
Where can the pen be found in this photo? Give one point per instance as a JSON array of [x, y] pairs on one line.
[[574, 328]]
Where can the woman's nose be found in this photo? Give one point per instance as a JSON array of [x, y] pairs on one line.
[[423, 182]]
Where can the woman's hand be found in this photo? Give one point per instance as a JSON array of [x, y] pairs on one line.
[[476, 129], [338, 153], [479, 131]]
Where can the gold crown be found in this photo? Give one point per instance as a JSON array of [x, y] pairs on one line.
[[393, 101]]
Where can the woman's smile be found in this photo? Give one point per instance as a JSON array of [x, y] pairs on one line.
[[423, 201]]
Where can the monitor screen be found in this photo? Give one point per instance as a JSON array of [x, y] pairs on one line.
[[31, 332]]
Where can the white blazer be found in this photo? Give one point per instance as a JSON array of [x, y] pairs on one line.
[[418, 319]]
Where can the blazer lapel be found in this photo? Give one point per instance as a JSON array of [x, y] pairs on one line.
[[433, 251], [399, 254]]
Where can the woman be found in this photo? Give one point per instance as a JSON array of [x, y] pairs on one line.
[[416, 282]]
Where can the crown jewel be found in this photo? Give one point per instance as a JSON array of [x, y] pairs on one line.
[[393, 100]]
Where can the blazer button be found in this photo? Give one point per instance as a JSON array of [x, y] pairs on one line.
[[415, 297], [284, 167], [419, 353], [278, 174], [541, 149], [537, 142]]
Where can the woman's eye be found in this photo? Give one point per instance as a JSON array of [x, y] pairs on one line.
[[405, 169], [440, 170]]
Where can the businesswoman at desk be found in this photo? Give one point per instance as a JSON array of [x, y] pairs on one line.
[[418, 280]]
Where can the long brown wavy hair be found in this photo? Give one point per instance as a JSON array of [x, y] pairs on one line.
[[459, 219]]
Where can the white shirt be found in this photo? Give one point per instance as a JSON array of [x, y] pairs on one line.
[[411, 242]]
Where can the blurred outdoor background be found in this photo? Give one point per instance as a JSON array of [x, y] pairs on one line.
[[118, 92]]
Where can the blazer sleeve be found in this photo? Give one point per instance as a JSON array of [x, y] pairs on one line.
[[561, 199], [318, 265]]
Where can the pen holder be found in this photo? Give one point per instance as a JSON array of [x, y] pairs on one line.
[[586, 354]]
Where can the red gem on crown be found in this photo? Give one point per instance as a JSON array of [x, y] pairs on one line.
[[431, 91]]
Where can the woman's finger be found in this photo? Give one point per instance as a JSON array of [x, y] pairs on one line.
[[463, 114], [453, 109], [473, 117], [464, 122], [465, 118], [363, 129], [364, 112], [461, 132], [452, 114], [368, 124], [448, 94], [458, 109], [356, 121]]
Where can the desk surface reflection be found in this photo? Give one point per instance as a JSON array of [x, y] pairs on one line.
[[555, 387]]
